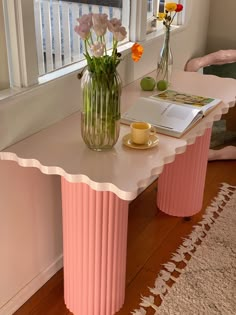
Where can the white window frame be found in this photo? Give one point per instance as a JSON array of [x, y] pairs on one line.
[[24, 68], [4, 70], [21, 31], [153, 24]]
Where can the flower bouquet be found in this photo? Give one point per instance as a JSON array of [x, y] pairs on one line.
[[164, 65], [101, 83]]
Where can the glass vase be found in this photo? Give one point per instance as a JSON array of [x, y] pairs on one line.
[[165, 63], [100, 123]]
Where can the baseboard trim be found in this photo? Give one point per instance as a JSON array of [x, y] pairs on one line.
[[30, 288]]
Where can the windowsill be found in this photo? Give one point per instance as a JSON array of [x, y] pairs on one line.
[[76, 67], [4, 94], [124, 49], [150, 37]]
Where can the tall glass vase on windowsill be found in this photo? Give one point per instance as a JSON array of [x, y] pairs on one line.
[[165, 63]]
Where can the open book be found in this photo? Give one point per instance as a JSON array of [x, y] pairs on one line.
[[171, 112]]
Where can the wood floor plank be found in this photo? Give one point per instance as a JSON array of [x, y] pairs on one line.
[[217, 173]]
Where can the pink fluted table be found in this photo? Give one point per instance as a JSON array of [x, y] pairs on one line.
[[97, 188]]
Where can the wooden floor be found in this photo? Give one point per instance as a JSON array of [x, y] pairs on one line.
[[152, 237]]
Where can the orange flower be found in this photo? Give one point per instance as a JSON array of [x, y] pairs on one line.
[[137, 51], [171, 6], [161, 16]]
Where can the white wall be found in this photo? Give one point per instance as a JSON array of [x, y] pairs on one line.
[[30, 211], [30, 232], [222, 26]]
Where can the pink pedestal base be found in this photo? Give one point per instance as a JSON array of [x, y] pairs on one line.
[[181, 185], [95, 245]]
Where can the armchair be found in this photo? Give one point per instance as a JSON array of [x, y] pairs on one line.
[[221, 57]]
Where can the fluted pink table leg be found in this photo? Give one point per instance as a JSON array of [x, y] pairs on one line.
[[94, 241], [181, 185]]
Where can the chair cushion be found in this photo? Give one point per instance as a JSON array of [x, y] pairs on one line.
[[225, 71]]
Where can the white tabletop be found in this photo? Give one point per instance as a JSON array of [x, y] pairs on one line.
[[59, 149]]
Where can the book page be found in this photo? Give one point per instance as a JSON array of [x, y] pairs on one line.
[[162, 115], [177, 113], [185, 99]]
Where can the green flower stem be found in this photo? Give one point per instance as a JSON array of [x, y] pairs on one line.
[[172, 18], [166, 53], [104, 41], [115, 44], [86, 47], [164, 62]]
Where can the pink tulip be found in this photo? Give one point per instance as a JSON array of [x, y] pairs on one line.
[[99, 24], [97, 49], [86, 19], [120, 34], [113, 25], [83, 30]]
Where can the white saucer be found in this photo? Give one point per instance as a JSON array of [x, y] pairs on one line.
[[152, 142]]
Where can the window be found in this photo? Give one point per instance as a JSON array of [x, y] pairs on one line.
[[155, 6], [4, 78], [48, 25], [57, 43]]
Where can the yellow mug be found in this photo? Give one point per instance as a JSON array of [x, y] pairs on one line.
[[140, 132]]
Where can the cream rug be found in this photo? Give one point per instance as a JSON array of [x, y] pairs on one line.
[[205, 284]]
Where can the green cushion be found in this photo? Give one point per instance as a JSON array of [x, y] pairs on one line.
[[220, 136], [225, 71]]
